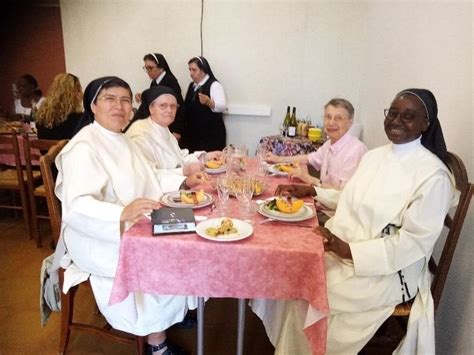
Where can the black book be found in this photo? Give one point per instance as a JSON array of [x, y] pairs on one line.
[[168, 220]]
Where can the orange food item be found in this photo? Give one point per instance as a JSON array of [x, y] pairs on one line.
[[287, 168], [288, 205], [192, 197], [213, 164]]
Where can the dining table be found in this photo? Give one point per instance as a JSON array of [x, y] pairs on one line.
[[280, 260], [18, 129]]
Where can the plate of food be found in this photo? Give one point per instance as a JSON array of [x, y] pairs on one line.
[[186, 199], [224, 229], [286, 208], [282, 168], [214, 166]]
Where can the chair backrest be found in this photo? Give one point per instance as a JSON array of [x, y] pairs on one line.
[[454, 226], [33, 149], [54, 205], [9, 148]]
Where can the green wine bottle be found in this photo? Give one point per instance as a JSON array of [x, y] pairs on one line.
[[293, 124]]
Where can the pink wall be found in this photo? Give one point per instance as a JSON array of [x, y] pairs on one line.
[[31, 41]]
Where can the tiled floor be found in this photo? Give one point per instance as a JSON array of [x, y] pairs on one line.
[[21, 333]]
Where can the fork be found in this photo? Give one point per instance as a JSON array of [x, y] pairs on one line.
[[267, 220]]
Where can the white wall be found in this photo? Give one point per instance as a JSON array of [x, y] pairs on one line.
[[302, 53]]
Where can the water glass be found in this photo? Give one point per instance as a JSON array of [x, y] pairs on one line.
[[244, 189]]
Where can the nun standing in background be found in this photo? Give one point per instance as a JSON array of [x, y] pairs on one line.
[[160, 73], [205, 102]]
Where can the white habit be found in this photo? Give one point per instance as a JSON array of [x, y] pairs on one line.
[[159, 146], [100, 172], [391, 213]]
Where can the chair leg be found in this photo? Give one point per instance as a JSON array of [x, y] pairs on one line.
[[67, 308], [141, 340], [34, 222], [26, 211]]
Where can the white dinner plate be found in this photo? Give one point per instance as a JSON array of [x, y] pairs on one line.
[[304, 213], [170, 199], [244, 230], [272, 168], [219, 170]]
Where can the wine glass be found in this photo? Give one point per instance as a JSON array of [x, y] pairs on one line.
[[223, 189]]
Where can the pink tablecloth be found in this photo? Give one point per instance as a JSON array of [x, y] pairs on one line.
[[279, 261]]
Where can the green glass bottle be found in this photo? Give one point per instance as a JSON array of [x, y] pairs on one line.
[[293, 124], [286, 122]]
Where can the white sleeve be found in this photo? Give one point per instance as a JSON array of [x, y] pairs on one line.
[[218, 95], [327, 197], [83, 183], [170, 179], [421, 226]]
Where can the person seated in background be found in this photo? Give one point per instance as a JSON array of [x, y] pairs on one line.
[[58, 116], [205, 102], [29, 96], [152, 135], [160, 73], [378, 244], [337, 159], [105, 184]]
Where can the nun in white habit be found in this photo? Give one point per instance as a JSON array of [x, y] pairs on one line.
[[158, 144], [105, 184], [379, 242]]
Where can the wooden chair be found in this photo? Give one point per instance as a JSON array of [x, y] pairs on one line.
[[67, 300], [32, 152], [13, 178], [439, 270]]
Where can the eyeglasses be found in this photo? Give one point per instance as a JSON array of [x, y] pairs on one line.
[[336, 118], [163, 107], [111, 99], [148, 69], [405, 116]]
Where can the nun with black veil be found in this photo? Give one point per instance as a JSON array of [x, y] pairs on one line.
[[155, 140], [205, 102], [378, 244], [160, 73], [105, 185]]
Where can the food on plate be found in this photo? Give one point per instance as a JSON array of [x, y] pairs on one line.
[[226, 227], [287, 167], [285, 204], [192, 197], [214, 164]]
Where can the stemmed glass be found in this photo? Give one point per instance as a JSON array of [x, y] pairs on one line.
[[244, 189], [223, 189]]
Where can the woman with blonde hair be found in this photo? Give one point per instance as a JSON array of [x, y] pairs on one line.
[[58, 116]]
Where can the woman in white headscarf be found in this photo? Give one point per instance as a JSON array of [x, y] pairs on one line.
[[105, 184]]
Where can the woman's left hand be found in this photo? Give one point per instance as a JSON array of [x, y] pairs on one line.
[[333, 243]]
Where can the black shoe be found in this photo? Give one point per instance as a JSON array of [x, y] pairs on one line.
[[171, 349]]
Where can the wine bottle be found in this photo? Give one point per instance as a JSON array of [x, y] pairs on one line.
[[286, 122], [293, 124]]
